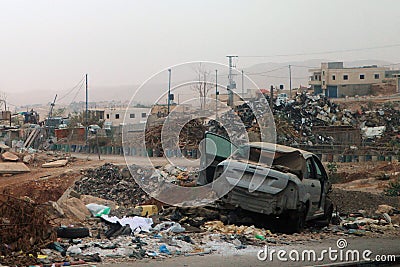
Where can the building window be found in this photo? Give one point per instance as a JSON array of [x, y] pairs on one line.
[[117, 116], [345, 77], [143, 115], [376, 76], [323, 82], [362, 76], [323, 72], [132, 115], [333, 77], [108, 116]]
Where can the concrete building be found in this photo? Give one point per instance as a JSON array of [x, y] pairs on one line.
[[334, 80], [116, 116]]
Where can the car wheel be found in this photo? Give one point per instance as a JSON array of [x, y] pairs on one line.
[[328, 211], [297, 220]]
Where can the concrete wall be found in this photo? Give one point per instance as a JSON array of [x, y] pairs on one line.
[[354, 89]]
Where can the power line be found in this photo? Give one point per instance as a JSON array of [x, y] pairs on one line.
[[257, 73], [76, 94], [72, 89], [327, 52]]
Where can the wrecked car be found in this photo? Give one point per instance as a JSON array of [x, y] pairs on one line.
[[284, 182]]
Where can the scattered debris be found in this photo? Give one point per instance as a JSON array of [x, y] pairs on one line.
[[108, 182]]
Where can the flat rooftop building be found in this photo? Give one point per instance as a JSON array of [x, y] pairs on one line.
[[334, 80]]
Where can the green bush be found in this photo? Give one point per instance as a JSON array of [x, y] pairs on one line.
[[393, 189]]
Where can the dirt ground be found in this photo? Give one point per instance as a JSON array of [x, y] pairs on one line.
[[44, 184]]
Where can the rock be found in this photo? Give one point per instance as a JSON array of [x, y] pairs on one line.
[[74, 208], [387, 217], [57, 209], [55, 164], [395, 219], [384, 209], [8, 156], [27, 159], [4, 147]]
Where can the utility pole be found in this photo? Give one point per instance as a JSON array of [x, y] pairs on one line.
[[290, 81], [216, 94], [271, 98], [232, 84], [204, 91], [242, 83], [86, 110], [169, 88]]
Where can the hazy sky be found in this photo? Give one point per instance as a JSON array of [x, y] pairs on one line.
[[49, 44]]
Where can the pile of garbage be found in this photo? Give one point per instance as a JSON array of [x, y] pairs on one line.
[[113, 183], [182, 176], [304, 112], [359, 223], [190, 135]]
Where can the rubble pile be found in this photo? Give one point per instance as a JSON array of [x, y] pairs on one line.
[[111, 183], [190, 135], [306, 111], [182, 176], [25, 228]]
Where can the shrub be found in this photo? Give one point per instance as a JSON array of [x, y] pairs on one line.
[[393, 188]]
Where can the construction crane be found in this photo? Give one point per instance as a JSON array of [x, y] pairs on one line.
[[51, 107]]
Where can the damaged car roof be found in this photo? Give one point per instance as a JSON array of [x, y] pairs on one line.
[[278, 148]]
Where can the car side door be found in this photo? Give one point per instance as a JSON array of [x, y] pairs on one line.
[[322, 176], [214, 150], [313, 186]]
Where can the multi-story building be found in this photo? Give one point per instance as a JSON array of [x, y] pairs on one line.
[[116, 116], [334, 80]]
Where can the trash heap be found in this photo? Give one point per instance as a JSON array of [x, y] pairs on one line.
[[384, 219], [295, 119], [182, 176], [307, 111], [190, 135], [112, 183]]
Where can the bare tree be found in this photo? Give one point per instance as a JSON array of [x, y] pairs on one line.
[[3, 100], [203, 84]]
